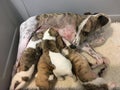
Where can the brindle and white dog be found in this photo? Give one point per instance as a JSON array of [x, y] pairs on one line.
[[73, 27]]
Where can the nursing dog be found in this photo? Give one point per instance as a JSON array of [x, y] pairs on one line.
[[68, 25], [77, 29]]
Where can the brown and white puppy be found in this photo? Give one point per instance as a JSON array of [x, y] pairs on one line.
[[51, 36], [32, 53], [96, 38], [67, 25], [21, 78], [30, 56], [44, 70], [51, 45], [80, 64]]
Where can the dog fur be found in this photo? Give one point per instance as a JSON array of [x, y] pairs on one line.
[[21, 78], [30, 56], [96, 84], [45, 69], [56, 56], [52, 43], [64, 22], [81, 66], [109, 49]]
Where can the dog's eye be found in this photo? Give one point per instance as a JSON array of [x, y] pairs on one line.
[[85, 33]]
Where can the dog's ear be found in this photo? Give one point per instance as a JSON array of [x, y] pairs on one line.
[[53, 32], [87, 13], [39, 45], [60, 42], [102, 20]]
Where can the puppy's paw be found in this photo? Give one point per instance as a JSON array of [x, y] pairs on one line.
[[100, 60], [97, 84]]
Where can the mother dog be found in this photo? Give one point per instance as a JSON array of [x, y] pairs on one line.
[[72, 27]]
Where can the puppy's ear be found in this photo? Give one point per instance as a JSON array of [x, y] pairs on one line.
[[38, 17], [39, 45], [102, 20], [53, 32], [60, 42]]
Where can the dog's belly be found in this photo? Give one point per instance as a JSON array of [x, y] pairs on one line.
[[62, 65], [68, 32]]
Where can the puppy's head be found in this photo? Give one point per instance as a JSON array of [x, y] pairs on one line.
[[50, 34], [53, 32], [95, 24], [52, 40], [59, 41]]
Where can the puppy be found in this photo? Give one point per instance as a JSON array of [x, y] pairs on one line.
[[32, 52], [21, 78], [52, 61], [82, 69], [44, 70], [30, 55], [80, 64]]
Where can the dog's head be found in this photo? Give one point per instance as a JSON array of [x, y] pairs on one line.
[[96, 23]]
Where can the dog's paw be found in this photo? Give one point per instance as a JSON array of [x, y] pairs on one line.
[[96, 84], [100, 60]]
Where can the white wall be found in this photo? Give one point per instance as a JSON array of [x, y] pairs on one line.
[[32, 7]]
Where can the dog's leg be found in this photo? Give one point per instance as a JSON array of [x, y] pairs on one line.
[[99, 58], [21, 85]]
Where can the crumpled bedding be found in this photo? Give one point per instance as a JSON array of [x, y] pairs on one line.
[[111, 50]]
